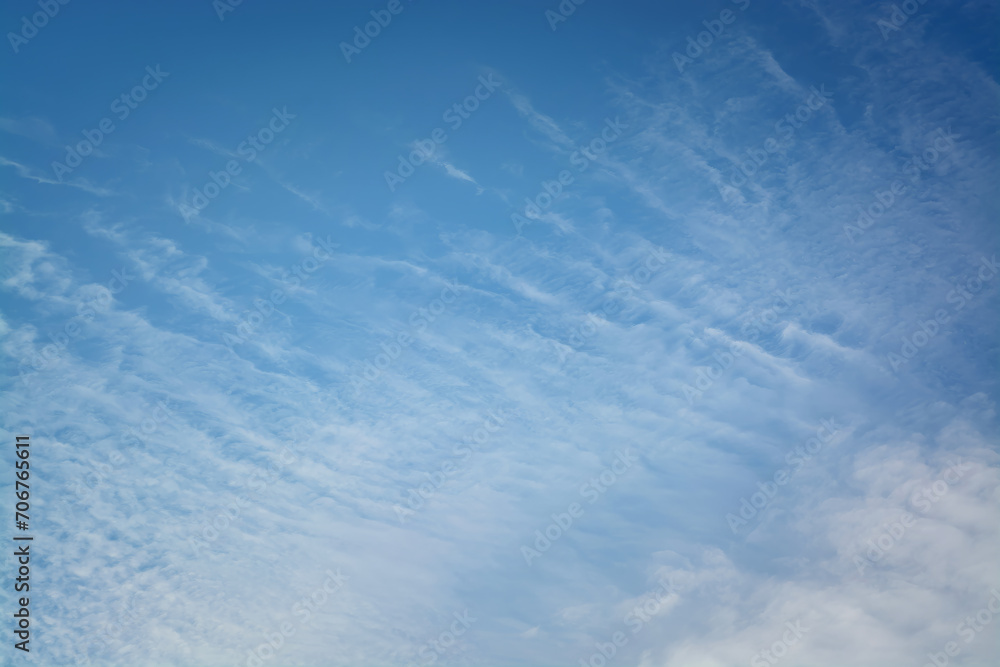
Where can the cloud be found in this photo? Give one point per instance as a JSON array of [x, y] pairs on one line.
[[180, 465], [36, 129], [451, 170], [27, 172]]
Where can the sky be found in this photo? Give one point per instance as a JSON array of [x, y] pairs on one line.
[[515, 333]]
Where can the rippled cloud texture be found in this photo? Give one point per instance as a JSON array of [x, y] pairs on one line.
[[503, 333]]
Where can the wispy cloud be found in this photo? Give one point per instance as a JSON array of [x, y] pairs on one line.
[[27, 172]]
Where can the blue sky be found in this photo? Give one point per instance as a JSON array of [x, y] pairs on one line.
[[650, 352]]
